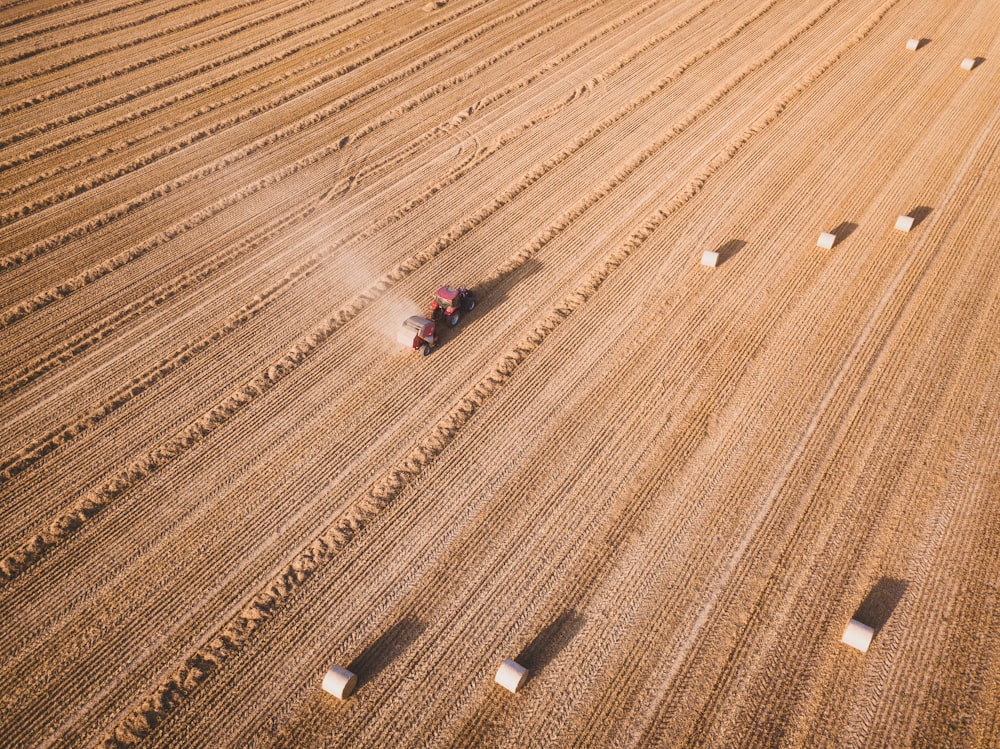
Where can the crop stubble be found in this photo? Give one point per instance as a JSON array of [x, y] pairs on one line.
[[667, 487]]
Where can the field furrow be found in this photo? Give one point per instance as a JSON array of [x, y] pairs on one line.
[[662, 486]]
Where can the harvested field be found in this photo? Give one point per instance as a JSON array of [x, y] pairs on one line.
[[663, 487]]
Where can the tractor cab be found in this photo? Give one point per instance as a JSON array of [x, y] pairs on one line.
[[449, 302], [447, 297]]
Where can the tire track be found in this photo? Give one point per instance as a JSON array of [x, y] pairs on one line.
[[12, 465], [94, 181], [740, 551], [41, 446], [226, 161], [711, 402], [577, 576], [941, 393], [869, 717], [22, 256], [936, 404], [862, 722], [682, 533], [735, 682], [807, 638], [20, 310], [510, 134]]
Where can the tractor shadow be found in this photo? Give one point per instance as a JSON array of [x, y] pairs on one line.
[[548, 643], [880, 602], [729, 249], [489, 296], [842, 231], [919, 213], [495, 291], [389, 646]]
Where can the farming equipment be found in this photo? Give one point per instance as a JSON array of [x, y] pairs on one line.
[[418, 332], [447, 305], [450, 302]]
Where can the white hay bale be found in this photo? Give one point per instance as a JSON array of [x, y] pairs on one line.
[[826, 240], [904, 223], [968, 63], [709, 258], [339, 682], [913, 44], [511, 675], [858, 635]]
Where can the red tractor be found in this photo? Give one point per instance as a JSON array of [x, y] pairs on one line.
[[448, 304]]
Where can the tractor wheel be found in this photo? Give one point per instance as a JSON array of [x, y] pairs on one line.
[[469, 303], [452, 319], [427, 349]]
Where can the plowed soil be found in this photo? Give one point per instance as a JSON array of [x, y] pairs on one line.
[[663, 487]]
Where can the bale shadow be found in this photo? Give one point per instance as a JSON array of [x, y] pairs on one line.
[[880, 602], [919, 213], [842, 231], [977, 61], [728, 249], [923, 42], [550, 641], [389, 646]]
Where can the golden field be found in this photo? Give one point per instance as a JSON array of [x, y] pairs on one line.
[[663, 487]]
